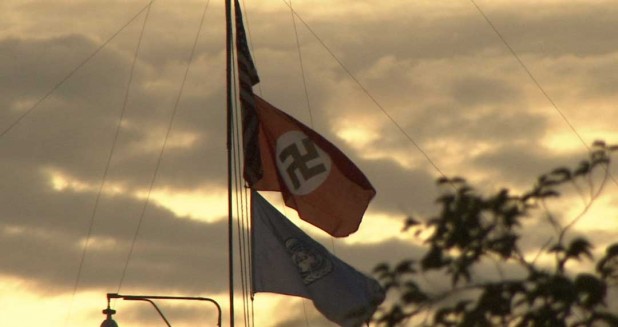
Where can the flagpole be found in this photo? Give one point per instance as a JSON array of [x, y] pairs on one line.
[[229, 79]]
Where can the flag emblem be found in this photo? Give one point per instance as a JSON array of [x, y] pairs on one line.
[[285, 260], [301, 163], [313, 175], [312, 264]]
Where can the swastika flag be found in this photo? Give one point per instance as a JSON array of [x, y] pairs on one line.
[[314, 177]]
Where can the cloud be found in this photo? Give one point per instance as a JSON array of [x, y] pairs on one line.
[[437, 69], [50, 234], [74, 130]]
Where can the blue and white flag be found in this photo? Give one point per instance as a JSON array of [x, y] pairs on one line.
[[288, 261]]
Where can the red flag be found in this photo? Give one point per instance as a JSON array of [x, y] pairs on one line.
[[314, 177]]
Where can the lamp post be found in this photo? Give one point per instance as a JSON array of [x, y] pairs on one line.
[[109, 322]]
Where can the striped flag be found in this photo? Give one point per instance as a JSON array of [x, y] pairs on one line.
[[247, 78]]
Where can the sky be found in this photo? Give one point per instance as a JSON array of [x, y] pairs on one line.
[[409, 90]]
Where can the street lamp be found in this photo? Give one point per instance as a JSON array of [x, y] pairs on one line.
[[109, 322]]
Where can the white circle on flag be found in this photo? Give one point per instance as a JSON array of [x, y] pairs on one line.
[[302, 164]]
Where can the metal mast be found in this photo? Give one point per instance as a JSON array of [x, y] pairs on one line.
[[229, 79]]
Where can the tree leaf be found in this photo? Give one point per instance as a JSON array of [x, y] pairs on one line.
[[578, 247], [591, 290]]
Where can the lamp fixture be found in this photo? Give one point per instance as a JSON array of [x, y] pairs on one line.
[[109, 322]]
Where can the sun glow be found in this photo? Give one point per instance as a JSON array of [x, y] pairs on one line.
[[19, 301], [100, 243], [357, 136], [568, 142], [601, 216], [208, 206], [63, 182], [378, 227], [197, 204], [363, 138]]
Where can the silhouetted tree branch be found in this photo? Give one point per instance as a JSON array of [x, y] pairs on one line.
[[472, 229]]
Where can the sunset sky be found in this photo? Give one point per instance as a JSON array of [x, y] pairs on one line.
[[407, 89]]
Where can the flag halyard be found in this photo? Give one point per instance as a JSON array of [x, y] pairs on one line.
[[247, 78]]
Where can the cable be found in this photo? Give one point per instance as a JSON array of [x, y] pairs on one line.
[[364, 89], [244, 245], [239, 202], [73, 71], [244, 214], [302, 68], [525, 68], [107, 166], [163, 147], [535, 81]]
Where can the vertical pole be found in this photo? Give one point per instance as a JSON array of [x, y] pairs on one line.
[[229, 80]]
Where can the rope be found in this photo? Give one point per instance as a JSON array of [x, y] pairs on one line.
[[163, 147], [240, 209], [371, 97], [535, 81], [302, 68], [525, 68], [243, 207], [304, 78], [107, 164], [73, 71]]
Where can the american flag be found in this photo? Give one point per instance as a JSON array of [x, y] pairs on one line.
[[247, 77]]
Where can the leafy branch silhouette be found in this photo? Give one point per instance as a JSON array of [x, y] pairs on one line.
[[472, 229]]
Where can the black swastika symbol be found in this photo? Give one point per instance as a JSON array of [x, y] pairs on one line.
[[300, 162]]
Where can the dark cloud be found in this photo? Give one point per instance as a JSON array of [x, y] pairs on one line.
[[48, 230], [471, 91], [521, 164], [402, 192], [74, 130], [571, 29]]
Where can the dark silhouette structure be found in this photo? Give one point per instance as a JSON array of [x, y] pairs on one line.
[[473, 231]]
